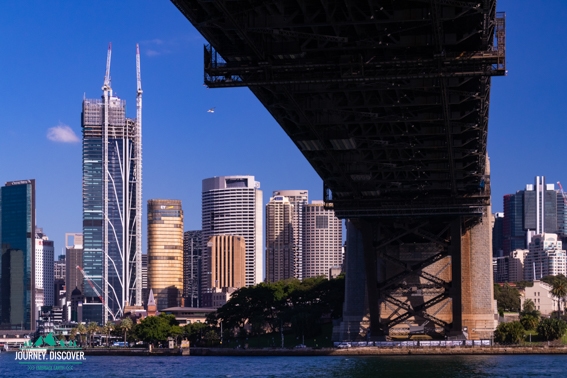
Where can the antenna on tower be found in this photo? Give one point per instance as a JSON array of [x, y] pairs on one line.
[[106, 85]]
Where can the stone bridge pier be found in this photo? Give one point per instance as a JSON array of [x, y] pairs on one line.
[[418, 275]]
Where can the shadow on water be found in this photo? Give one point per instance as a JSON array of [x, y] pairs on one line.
[[276, 367]]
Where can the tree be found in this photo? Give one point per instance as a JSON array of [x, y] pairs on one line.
[[82, 331], [211, 337], [155, 329], [512, 332], [125, 326], [507, 297], [193, 332], [529, 317], [559, 291], [107, 329], [552, 329], [529, 306], [92, 328]]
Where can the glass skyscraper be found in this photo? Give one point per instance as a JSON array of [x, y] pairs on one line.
[[17, 259], [112, 206]]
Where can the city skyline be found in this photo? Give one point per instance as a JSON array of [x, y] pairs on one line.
[[60, 57]]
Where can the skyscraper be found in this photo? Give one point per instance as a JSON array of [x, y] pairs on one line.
[[44, 275], [112, 203], [322, 240], [73, 258], [232, 205], [298, 198], [165, 251], [17, 262], [529, 212], [192, 267], [279, 239]]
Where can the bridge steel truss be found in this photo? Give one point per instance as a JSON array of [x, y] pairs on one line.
[[388, 100]]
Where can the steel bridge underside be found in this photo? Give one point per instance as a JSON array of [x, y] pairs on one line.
[[388, 101]]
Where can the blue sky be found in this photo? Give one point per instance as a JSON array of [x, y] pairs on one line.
[[54, 53]]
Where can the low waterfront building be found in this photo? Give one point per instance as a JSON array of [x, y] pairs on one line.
[[188, 315], [540, 294]]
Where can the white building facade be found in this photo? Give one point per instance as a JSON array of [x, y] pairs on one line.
[[44, 274], [540, 294], [322, 240], [545, 257], [232, 205]]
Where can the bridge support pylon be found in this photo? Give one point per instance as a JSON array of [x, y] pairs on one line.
[[418, 275]]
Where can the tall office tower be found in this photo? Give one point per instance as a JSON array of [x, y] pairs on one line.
[[226, 263], [112, 203], [322, 240], [279, 239], [497, 234], [73, 259], [165, 251], [44, 275], [297, 198], [545, 257], [527, 213], [192, 268], [17, 262], [59, 268], [232, 205]]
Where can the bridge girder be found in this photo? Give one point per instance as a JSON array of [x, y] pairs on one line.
[[402, 84]]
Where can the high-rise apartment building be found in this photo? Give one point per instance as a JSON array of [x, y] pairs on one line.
[[17, 258], [73, 259], [165, 251], [298, 198], [112, 203], [232, 205], [322, 240], [529, 212], [279, 239], [44, 275], [516, 265], [192, 267], [545, 257]]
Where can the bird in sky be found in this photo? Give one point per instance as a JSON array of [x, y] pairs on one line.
[[211, 110]]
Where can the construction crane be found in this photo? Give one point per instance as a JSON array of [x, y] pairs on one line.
[[106, 85], [96, 291], [138, 262], [562, 194]]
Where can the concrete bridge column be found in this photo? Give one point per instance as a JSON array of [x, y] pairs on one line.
[[355, 322], [478, 313]]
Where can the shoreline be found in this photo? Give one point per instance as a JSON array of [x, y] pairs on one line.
[[357, 351]]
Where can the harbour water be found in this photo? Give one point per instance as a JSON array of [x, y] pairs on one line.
[[329, 366]]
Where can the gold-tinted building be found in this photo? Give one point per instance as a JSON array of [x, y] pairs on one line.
[[226, 262], [165, 252]]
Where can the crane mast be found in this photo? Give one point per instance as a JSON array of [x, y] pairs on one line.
[[106, 85]]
